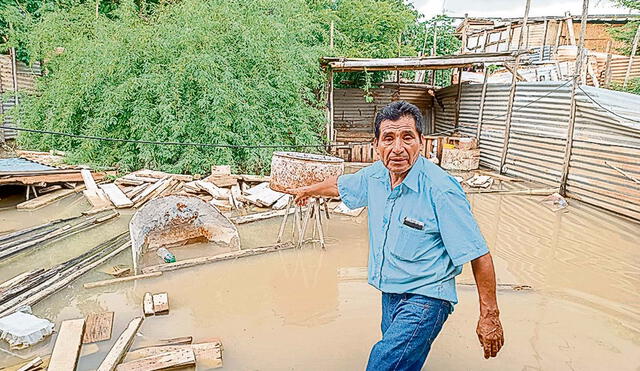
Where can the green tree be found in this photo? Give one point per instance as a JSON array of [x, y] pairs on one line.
[[217, 71]]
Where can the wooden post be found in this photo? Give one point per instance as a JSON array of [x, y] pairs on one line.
[[330, 129], [510, 39], [573, 109], [544, 38], [458, 97], [486, 41], [572, 36], [559, 33], [512, 93], [482, 97], [434, 51], [463, 48], [607, 66], [634, 48], [331, 30]]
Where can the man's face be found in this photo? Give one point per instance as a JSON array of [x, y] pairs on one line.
[[398, 144]]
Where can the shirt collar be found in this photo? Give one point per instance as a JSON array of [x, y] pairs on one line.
[[411, 180]]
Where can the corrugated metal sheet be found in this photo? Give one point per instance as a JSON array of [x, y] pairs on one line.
[[538, 137], [26, 77], [353, 115]]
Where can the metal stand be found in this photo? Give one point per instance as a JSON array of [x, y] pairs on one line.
[[303, 215]]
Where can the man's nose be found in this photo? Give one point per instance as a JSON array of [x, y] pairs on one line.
[[397, 146]]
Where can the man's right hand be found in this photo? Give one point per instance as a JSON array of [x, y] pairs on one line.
[[300, 195]]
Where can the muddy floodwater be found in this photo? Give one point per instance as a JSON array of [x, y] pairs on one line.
[[311, 309]]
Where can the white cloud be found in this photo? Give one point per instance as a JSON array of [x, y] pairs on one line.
[[511, 8]]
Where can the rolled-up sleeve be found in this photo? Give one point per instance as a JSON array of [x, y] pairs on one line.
[[458, 228], [353, 189]]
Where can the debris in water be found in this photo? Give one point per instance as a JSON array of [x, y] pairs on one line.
[[555, 202], [22, 330]]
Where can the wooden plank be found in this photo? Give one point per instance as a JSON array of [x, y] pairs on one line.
[[161, 303], [149, 189], [45, 200], [89, 182], [147, 304], [164, 361], [120, 348], [97, 198], [259, 216], [208, 354], [253, 178], [265, 197], [44, 363], [217, 258], [213, 190], [98, 327], [117, 197], [47, 178], [34, 364], [67, 348], [90, 285]]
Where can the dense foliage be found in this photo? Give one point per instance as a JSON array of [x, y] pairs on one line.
[[201, 71], [213, 71]]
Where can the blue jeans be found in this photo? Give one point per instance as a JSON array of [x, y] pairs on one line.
[[410, 323]]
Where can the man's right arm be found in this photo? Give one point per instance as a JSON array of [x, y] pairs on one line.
[[327, 188]]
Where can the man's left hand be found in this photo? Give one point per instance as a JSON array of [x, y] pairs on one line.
[[490, 334]]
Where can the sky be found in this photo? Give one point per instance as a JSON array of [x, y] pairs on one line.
[[512, 8]]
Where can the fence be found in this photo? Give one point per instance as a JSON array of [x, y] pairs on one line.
[[607, 132], [25, 78]]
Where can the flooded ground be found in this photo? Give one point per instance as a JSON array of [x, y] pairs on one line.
[[312, 310]]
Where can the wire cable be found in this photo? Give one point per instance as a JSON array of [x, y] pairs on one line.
[[212, 145], [606, 109]]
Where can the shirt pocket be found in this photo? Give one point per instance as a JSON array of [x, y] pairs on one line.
[[414, 244]]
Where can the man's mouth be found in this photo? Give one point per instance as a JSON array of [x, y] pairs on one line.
[[397, 159]]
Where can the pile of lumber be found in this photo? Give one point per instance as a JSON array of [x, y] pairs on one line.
[[30, 287], [13, 243]]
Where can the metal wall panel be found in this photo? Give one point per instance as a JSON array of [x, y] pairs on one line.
[[538, 137]]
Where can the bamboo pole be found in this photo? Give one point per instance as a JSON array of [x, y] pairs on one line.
[[573, 109], [331, 31], [482, 98], [512, 92], [458, 97], [463, 48], [607, 68], [634, 48]]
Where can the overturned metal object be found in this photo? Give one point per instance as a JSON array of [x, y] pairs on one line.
[[179, 220]]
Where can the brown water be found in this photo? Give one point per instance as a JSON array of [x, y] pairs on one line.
[[291, 310]]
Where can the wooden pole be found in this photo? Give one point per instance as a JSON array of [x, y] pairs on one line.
[[510, 38], [572, 36], [607, 68], [458, 97], [573, 109], [486, 41], [482, 98], [634, 48], [544, 38], [512, 92], [464, 34], [331, 31], [559, 33], [434, 51]]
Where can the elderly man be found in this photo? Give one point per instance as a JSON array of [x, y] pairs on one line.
[[421, 232]]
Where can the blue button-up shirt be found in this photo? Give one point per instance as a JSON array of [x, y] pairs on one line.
[[406, 258]]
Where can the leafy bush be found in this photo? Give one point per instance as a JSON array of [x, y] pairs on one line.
[[216, 71]]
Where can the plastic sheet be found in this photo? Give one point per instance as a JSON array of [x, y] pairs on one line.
[[21, 329]]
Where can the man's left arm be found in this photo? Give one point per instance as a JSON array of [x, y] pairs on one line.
[[464, 243], [489, 328]]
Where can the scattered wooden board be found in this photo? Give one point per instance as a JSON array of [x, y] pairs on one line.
[[46, 199], [164, 361], [260, 216], [161, 303], [281, 203], [98, 327], [36, 363], [119, 270], [67, 348], [97, 198], [120, 348], [208, 353], [90, 285], [216, 258], [22, 366], [117, 197], [89, 182], [147, 304]]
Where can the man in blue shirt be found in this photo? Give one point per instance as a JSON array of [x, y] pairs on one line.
[[421, 232]]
